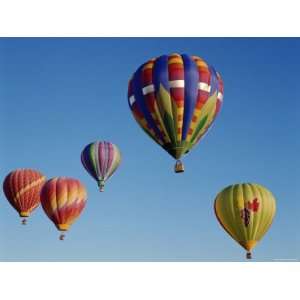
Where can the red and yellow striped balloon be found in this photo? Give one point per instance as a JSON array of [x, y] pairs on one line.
[[22, 189], [63, 200]]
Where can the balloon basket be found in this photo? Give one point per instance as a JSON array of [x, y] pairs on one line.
[[101, 186], [62, 237], [179, 167], [24, 222], [249, 255]]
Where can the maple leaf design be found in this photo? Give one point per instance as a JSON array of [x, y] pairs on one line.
[[254, 205]]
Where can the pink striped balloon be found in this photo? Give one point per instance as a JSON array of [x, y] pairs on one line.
[[101, 159]]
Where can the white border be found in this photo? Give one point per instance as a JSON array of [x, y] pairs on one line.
[[149, 18], [145, 281]]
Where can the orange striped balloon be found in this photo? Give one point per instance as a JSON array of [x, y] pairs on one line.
[[63, 200], [22, 189]]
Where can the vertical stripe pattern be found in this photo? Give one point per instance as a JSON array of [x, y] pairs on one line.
[[63, 200], [175, 99], [22, 189], [246, 212], [101, 159]]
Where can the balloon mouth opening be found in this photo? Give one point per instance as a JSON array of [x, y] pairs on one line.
[[179, 167], [63, 227], [24, 214], [176, 152], [248, 245]]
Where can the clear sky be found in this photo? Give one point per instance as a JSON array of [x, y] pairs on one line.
[[57, 95]]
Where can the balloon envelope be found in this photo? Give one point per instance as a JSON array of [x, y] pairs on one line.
[[246, 212], [63, 200], [22, 189], [101, 159], [175, 99]]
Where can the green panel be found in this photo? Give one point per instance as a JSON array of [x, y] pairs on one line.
[[165, 107], [199, 127]]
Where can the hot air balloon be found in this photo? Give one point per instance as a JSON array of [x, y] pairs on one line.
[[22, 189], [63, 200], [246, 212], [175, 99], [101, 159]]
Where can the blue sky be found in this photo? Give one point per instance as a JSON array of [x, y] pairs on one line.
[[57, 95]]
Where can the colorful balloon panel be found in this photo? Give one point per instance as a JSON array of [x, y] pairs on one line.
[[246, 212], [22, 189], [101, 159], [175, 99], [63, 200]]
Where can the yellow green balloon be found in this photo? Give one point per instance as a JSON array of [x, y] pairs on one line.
[[246, 212]]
